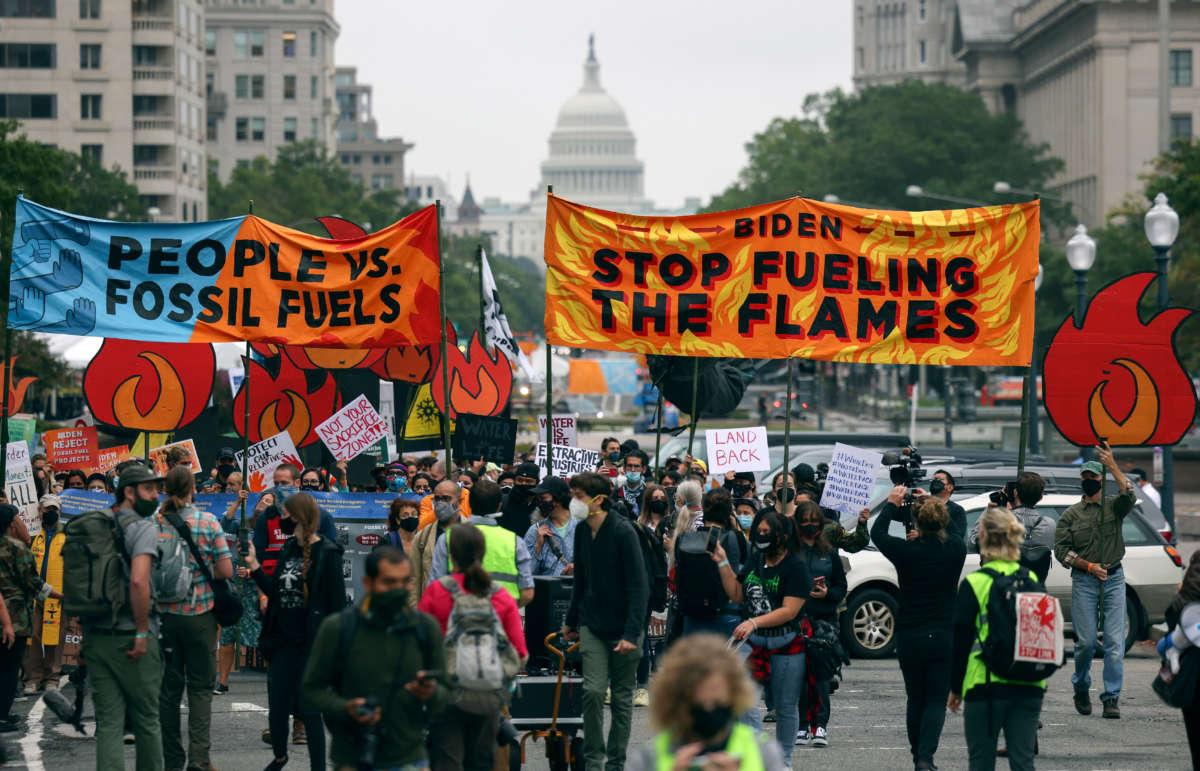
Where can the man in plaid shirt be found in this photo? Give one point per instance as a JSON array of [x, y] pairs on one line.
[[189, 630]]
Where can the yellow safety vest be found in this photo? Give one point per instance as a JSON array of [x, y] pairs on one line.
[[977, 671], [742, 744], [51, 569], [499, 558]]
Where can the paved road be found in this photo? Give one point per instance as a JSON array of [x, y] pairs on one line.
[[866, 730]]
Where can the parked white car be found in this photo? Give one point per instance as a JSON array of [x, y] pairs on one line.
[[1153, 570]]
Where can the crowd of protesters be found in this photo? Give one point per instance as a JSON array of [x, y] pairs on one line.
[[653, 555]]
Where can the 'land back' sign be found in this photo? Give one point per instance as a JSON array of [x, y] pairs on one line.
[[796, 278]]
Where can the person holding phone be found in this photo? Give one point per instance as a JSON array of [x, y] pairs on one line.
[[1089, 542]]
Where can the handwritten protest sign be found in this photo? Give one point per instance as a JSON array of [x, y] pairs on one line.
[[265, 457], [482, 436], [568, 461], [352, 429], [850, 481], [109, 458], [565, 429], [19, 485], [71, 448], [158, 456], [737, 449], [22, 428]]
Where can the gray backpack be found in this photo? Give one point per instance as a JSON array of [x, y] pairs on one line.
[[171, 576], [480, 661]]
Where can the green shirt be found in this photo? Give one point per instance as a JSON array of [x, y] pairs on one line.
[[1092, 531]]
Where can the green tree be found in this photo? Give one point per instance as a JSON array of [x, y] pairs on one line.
[[870, 145], [520, 284]]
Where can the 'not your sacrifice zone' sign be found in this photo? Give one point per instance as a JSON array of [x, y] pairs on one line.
[[796, 278]]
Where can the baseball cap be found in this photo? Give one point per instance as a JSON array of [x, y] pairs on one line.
[[226, 452], [1092, 466], [50, 500], [531, 470], [491, 467], [135, 474], [552, 485], [701, 464]]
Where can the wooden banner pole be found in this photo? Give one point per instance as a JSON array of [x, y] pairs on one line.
[[549, 391], [445, 356]]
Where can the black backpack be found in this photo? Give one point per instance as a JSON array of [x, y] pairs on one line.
[[698, 587], [655, 559], [824, 653], [997, 649]]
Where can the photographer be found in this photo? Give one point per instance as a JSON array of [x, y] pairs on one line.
[[928, 566], [1037, 546], [392, 657], [941, 486]]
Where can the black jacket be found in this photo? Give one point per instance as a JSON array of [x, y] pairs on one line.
[[326, 593], [611, 591], [516, 514], [830, 566], [928, 569]]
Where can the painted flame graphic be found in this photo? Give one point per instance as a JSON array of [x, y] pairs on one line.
[[16, 391], [480, 382], [1116, 378], [285, 402], [149, 386]]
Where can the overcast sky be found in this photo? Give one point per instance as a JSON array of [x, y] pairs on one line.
[[477, 86]]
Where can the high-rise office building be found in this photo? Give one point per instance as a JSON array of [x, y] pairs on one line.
[[374, 162], [269, 78], [119, 82]]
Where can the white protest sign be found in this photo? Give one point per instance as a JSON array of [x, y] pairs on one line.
[[352, 429], [851, 478], [19, 485], [565, 430], [737, 449], [265, 457], [568, 461], [387, 409]]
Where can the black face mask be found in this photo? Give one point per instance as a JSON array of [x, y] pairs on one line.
[[936, 486], [741, 491], [785, 494], [614, 457], [1090, 486], [310, 486], [521, 491], [410, 524], [670, 491], [287, 526], [658, 506], [225, 469], [49, 518], [708, 723], [765, 543], [810, 530], [545, 507]]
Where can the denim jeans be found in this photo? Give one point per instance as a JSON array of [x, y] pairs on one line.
[[1086, 593], [787, 682]]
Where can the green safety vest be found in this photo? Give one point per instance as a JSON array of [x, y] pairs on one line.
[[977, 671], [742, 744], [499, 559]]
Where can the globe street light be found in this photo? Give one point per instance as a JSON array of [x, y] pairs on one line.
[[1162, 226], [1003, 188], [1081, 255]]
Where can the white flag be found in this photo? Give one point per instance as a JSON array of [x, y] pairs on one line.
[[496, 329]]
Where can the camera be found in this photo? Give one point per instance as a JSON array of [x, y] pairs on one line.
[[369, 745], [905, 470], [1005, 497]]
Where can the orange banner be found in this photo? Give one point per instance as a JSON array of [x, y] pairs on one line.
[[797, 278]]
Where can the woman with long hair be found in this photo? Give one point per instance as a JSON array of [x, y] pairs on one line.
[[306, 587], [688, 514], [828, 576], [459, 739], [695, 697], [314, 480], [772, 588], [991, 702], [404, 514], [655, 507]]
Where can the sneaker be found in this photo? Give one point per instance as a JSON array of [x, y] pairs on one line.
[[802, 738], [607, 695], [266, 736], [299, 734], [1111, 710], [641, 698], [221, 689], [31, 690], [820, 737], [1083, 703], [769, 716], [129, 738]]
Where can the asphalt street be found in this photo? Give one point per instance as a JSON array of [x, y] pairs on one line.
[[866, 728]]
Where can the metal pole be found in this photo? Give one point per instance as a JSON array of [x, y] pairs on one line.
[[5, 270], [1035, 446], [445, 357], [787, 427], [1164, 85], [243, 533], [1080, 297], [695, 408], [1024, 421], [658, 437], [482, 303], [1162, 256], [947, 396], [550, 389]]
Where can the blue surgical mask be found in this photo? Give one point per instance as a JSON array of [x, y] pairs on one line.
[[633, 477], [282, 493], [745, 521], [397, 484]]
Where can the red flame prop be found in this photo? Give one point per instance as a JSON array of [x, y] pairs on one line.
[[480, 382], [284, 403], [408, 363], [149, 386], [16, 391], [1118, 379]]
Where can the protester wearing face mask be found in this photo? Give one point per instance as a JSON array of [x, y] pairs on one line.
[[403, 518], [1090, 543], [698, 691], [97, 483], [311, 481], [445, 504], [226, 464], [268, 534], [552, 541], [610, 458], [744, 510], [655, 508], [396, 476], [941, 486], [739, 484], [520, 507], [782, 498], [391, 649], [422, 484], [771, 589], [43, 658], [636, 463]]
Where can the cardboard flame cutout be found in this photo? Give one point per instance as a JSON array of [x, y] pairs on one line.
[[285, 403], [149, 386], [16, 391], [480, 382], [1117, 378]]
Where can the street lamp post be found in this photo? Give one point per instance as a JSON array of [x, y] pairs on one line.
[[916, 191], [1162, 226], [1081, 254], [1035, 401]]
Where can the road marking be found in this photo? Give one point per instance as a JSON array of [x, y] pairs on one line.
[[245, 706], [30, 743]]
